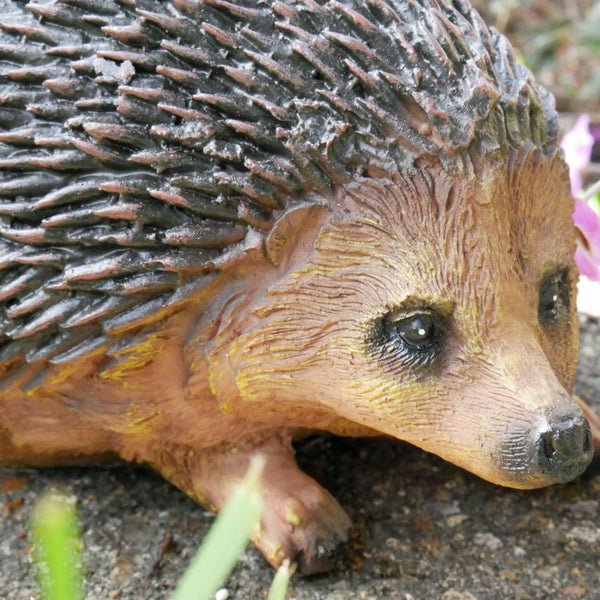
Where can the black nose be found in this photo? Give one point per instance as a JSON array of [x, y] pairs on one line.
[[565, 450]]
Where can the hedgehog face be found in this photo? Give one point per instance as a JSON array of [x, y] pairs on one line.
[[439, 308]]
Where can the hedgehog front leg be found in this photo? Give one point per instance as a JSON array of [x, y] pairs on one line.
[[301, 520]]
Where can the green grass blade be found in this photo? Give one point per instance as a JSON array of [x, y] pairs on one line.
[[225, 541], [57, 548], [280, 581]]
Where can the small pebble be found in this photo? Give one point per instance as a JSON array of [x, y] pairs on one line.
[[488, 540], [584, 533], [457, 595]]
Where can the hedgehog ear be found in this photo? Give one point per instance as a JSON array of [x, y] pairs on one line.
[[293, 236]]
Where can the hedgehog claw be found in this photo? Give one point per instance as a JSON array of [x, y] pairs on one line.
[[323, 557]]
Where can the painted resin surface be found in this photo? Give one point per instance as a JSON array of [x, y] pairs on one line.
[[225, 224]]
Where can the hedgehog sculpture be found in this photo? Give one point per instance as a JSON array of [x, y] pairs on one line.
[[225, 222]]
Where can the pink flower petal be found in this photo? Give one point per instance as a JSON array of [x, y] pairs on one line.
[[587, 222], [577, 144], [587, 253], [586, 267]]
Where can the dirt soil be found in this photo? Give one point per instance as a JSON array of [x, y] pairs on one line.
[[424, 529]]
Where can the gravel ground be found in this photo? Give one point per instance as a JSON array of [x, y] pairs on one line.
[[423, 528]]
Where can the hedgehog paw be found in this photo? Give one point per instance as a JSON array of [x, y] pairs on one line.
[[301, 521]]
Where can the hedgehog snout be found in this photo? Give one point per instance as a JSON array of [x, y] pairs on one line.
[[563, 448]]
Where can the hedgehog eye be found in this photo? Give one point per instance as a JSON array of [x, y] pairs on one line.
[[415, 338], [554, 301], [418, 331]]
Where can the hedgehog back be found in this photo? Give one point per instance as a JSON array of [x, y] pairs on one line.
[[142, 142]]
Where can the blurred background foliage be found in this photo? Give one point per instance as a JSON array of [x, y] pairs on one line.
[[559, 40]]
